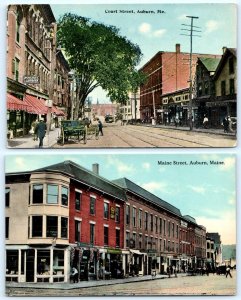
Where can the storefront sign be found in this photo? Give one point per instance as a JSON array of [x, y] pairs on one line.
[[79, 244], [151, 251], [114, 251], [112, 212], [31, 79]]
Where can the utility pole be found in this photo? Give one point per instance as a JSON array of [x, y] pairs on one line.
[[191, 30]]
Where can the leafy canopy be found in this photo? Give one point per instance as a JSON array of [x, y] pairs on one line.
[[100, 56]]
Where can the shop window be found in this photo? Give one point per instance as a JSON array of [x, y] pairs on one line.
[[92, 234], [37, 193], [117, 237], [106, 210], [52, 226], [64, 196], [7, 196], [78, 197], [52, 194], [92, 205], [77, 231], [7, 227], [127, 214], [64, 227], [12, 262], [117, 214], [58, 262], [106, 236], [43, 262], [37, 226]]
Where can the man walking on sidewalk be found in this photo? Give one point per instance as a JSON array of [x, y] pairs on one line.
[[40, 131]]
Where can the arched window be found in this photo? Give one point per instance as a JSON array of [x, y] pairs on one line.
[[19, 18]]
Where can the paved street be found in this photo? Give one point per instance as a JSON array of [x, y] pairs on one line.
[[116, 136], [182, 285]]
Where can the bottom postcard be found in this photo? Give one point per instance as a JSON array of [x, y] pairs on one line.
[[120, 225]]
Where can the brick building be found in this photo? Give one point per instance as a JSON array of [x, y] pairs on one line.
[[167, 72], [31, 66]]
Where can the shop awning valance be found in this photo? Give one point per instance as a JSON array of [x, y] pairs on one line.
[[13, 103]]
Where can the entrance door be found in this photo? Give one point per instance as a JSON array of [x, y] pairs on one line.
[[30, 266]]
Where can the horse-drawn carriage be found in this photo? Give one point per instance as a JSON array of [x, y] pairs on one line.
[[73, 131]]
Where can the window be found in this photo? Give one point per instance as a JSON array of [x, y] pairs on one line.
[[223, 88], [169, 228], [160, 226], [52, 226], [134, 240], [231, 87], [37, 193], [117, 214], [134, 216], [117, 237], [64, 227], [64, 195], [7, 196], [77, 231], [18, 27], [52, 194], [151, 222], [106, 210], [164, 245], [164, 227], [160, 245], [140, 241], [37, 226], [16, 69], [177, 229], [146, 220], [127, 214], [140, 218], [127, 239], [92, 234], [6, 227], [173, 230], [231, 65], [78, 197], [156, 225], [106, 236], [92, 205]]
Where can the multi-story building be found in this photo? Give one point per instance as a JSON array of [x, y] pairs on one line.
[[66, 216], [167, 72], [218, 253], [31, 61], [210, 263]]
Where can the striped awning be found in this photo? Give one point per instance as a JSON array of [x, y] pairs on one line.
[[14, 103]]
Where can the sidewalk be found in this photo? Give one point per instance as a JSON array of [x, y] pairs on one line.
[[85, 284], [28, 142]]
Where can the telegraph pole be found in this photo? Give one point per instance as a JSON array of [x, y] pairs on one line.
[[191, 30]]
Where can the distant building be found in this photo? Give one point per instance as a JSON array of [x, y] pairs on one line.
[[216, 238], [101, 110]]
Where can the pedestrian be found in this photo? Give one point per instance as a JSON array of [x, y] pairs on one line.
[[205, 122], [74, 275], [40, 131], [230, 129], [100, 126], [225, 124], [176, 121], [228, 271]]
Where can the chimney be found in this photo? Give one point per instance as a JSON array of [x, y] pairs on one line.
[[178, 48], [95, 168]]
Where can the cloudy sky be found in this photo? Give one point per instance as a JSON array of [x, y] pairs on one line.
[[206, 192], [155, 32]]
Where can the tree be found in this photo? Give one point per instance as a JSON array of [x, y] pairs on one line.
[[99, 56]]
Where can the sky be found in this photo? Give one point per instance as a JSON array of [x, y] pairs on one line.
[[160, 31], [205, 192]]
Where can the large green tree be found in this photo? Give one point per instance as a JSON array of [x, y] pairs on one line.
[[99, 56]]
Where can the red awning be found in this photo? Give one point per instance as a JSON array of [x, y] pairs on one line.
[[38, 106], [13, 103]]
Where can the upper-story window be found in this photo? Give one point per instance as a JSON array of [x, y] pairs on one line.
[[134, 216], [92, 205], [37, 193], [64, 195], [64, 227], [78, 196], [140, 218], [151, 222], [106, 235], [223, 88], [117, 237], [37, 226], [160, 229], [52, 226], [6, 227], [127, 214], [146, 220], [117, 214], [7, 196], [52, 194], [106, 210], [77, 230], [18, 22], [231, 86], [92, 233]]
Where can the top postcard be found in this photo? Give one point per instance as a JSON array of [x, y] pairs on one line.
[[121, 75]]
